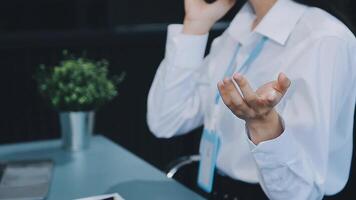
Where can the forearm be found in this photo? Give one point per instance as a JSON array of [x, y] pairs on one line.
[[286, 169], [170, 100], [292, 180], [174, 89]]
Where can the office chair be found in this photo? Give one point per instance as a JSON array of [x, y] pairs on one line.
[[185, 171], [181, 162]]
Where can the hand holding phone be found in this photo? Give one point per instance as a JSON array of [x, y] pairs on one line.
[[200, 15]]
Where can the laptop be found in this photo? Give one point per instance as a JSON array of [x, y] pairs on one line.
[[25, 180]]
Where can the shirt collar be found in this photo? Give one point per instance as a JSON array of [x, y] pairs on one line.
[[277, 25]]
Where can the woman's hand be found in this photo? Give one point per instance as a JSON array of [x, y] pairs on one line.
[[201, 16], [256, 107]]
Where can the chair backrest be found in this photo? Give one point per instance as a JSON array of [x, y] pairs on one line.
[[187, 174]]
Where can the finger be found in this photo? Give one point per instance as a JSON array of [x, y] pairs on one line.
[[234, 100], [273, 98], [226, 89], [225, 3], [224, 93], [233, 92], [249, 95], [192, 3], [268, 95], [283, 83]]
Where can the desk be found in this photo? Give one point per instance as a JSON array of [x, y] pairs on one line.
[[103, 168]]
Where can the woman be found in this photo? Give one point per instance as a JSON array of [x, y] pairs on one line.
[[286, 74]]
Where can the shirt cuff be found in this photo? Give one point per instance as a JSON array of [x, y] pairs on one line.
[[184, 50], [275, 152]]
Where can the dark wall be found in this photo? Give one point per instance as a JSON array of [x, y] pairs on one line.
[[130, 34]]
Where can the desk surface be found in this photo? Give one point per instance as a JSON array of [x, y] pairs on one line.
[[103, 168]]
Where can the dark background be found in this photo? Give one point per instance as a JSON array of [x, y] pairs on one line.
[[130, 34]]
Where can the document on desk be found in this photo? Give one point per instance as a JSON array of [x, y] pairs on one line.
[[26, 179], [113, 196]]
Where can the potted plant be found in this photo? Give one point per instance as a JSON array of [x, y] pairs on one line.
[[76, 88]]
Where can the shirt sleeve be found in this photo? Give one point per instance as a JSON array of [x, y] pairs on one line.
[[317, 117], [176, 96]]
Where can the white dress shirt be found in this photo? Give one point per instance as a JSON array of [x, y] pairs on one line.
[[315, 50]]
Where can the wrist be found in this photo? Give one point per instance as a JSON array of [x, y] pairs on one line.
[[197, 27], [265, 128]]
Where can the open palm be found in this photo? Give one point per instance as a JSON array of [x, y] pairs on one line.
[[251, 104]]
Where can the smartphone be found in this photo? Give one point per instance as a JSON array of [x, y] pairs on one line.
[[210, 1]]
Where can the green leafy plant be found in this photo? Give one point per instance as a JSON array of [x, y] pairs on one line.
[[77, 84]]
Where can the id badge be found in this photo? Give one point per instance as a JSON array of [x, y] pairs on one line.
[[209, 148]]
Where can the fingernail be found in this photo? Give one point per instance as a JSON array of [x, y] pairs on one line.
[[237, 76]]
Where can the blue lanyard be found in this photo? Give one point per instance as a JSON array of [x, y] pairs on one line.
[[252, 57]]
